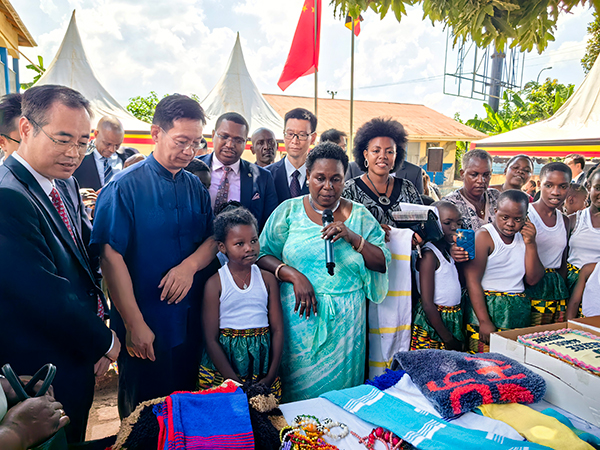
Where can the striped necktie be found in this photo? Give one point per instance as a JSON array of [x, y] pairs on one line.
[[108, 170], [295, 184], [223, 191]]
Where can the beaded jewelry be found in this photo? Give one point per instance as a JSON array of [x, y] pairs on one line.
[[389, 439], [329, 424], [306, 433]]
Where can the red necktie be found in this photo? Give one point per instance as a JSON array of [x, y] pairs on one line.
[[60, 207]]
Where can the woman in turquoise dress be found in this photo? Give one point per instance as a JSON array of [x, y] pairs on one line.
[[324, 316]]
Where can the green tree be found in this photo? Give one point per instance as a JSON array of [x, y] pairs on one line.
[[593, 44], [39, 69], [143, 107], [523, 23]]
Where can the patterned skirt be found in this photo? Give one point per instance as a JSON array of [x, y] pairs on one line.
[[248, 353], [506, 310], [425, 336], [548, 299], [572, 277]]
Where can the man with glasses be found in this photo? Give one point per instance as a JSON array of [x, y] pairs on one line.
[[153, 224], [264, 146], [289, 173], [52, 309], [10, 113], [234, 178]]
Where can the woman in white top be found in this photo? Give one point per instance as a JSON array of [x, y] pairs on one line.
[[438, 318], [549, 296], [586, 293], [584, 243], [505, 258]]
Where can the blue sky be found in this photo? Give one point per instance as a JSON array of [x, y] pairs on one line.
[[135, 47]]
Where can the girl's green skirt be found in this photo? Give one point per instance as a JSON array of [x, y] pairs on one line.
[[425, 336], [548, 299]]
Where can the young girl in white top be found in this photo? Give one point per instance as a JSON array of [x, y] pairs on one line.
[[584, 243], [505, 258], [438, 320], [586, 293], [549, 296], [241, 312]]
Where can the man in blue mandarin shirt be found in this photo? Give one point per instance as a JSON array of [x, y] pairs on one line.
[[154, 225]]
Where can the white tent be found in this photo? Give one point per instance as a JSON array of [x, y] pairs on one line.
[[574, 128], [70, 67], [236, 92]]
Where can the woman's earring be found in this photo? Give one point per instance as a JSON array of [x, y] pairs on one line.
[[366, 164]]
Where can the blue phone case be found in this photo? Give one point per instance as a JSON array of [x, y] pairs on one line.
[[466, 239]]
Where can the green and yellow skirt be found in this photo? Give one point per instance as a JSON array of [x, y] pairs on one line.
[[425, 336], [248, 353], [548, 299], [506, 310], [572, 277]]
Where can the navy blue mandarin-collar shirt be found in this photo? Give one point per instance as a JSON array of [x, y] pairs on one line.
[[154, 220]]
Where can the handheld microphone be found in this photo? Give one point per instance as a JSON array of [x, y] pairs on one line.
[[329, 258]]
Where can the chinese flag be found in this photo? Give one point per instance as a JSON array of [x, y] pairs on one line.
[[356, 24], [303, 58]]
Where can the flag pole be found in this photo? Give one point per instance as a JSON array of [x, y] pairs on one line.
[[350, 136], [315, 50]]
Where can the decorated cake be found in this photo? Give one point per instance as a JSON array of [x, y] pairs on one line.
[[573, 346]]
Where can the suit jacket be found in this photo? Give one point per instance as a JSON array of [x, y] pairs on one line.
[[48, 294], [87, 172], [413, 173], [281, 181], [257, 191]]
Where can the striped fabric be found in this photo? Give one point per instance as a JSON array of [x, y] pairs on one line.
[[389, 321]]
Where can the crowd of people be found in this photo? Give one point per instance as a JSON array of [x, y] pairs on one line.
[[211, 267]]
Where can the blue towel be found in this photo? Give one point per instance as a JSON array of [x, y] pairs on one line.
[[456, 382], [594, 441], [419, 428]]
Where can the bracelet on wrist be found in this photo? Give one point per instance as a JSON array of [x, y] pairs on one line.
[[360, 247], [278, 269]]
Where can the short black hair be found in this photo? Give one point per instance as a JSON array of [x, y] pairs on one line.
[[592, 173], [445, 204], [332, 135], [475, 153], [197, 165], [516, 196], [577, 159], [556, 167], [230, 218], [38, 100], [577, 189], [380, 127], [10, 109], [233, 117], [514, 158], [326, 150], [301, 114], [175, 107]]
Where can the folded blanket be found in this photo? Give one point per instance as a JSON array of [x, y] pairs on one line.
[[456, 382], [419, 428], [581, 434]]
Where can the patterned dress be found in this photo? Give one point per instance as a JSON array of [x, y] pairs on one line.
[[326, 352], [470, 219], [403, 192]]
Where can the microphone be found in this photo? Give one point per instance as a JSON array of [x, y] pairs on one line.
[[329, 258]]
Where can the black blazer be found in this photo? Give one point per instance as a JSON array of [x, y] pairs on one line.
[[87, 172], [257, 191], [48, 294], [281, 181]]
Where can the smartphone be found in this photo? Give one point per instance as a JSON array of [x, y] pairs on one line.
[[466, 239]]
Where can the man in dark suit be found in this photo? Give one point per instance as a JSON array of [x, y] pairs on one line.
[[236, 179], [51, 308], [289, 174], [105, 157]]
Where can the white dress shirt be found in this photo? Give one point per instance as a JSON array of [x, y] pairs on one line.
[[114, 161], [290, 169]]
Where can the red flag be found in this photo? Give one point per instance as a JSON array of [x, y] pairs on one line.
[[356, 24], [303, 58]]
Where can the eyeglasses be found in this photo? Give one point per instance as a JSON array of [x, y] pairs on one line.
[[63, 145], [184, 145], [301, 136], [235, 140], [9, 138]]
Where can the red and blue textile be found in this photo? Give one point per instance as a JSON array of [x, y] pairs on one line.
[[213, 419]]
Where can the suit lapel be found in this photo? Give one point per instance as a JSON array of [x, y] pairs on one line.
[[246, 182], [282, 181]]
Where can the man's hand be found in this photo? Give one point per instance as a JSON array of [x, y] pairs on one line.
[[113, 354], [101, 367], [177, 283], [140, 340]]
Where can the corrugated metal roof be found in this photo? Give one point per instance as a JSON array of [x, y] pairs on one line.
[[420, 122]]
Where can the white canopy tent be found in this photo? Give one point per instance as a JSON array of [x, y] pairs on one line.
[[70, 67], [574, 128], [236, 92]]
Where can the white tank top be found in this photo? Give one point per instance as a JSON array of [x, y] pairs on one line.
[[447, 285], [590, 302], [242, 309], [551, 242], [505, 267], [584, 245]]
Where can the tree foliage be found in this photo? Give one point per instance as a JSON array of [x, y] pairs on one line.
[[593, 44], [521, 23], [143, 107], [39, 69]]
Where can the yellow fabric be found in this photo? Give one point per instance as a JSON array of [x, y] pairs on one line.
[[535, 426]]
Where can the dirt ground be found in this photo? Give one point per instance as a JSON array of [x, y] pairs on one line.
[[104, 416]]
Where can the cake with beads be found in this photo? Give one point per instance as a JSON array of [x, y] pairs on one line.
[[576, 347]]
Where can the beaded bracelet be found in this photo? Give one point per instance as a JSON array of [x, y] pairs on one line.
[[329, 424]]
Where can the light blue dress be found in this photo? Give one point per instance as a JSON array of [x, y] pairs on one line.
[[326, 352]]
